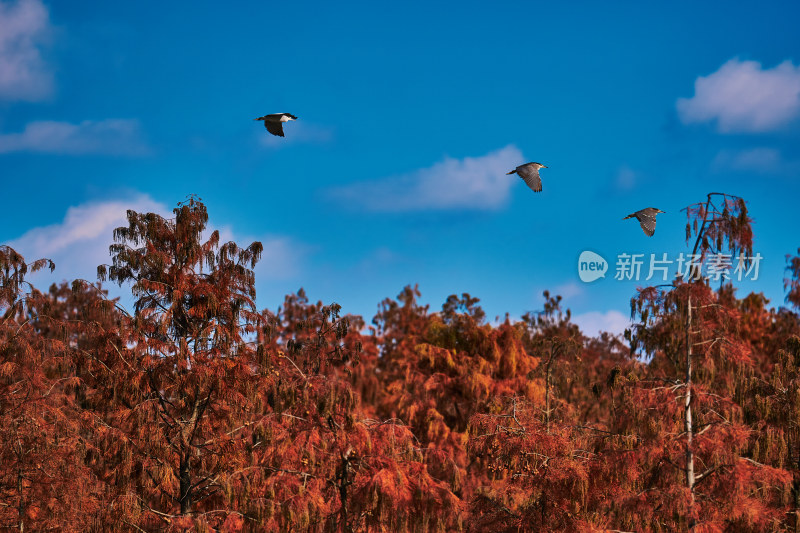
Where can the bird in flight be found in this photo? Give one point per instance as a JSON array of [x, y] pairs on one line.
[[274, 122], [530, 173], [646, 218]]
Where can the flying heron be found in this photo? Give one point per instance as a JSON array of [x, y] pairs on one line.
[[530, 173], [646, 218], [274, 122]]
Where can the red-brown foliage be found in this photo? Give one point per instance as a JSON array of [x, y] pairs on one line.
[[199, 412]]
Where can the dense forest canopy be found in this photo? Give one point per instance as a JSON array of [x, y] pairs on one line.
[[200, 412]]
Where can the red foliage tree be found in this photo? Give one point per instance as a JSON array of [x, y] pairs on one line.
[[693, 452], [180, 372], [44, 483], [318, 462], [199, 412]]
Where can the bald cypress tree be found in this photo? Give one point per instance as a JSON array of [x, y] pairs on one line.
[[685, 409], [179, 379], [44, 484]]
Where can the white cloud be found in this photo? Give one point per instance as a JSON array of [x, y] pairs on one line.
[[568, 291], [297, 132], [281, 260], [743, 97], [25, 28], [109, 137], [80, 242], [751, 160], [593, 322], [469, 183]]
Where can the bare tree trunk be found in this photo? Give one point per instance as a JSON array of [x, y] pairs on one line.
[[795, 486], [186, 484], [21, 506], [689, 429], [19, 452], [547, 392], [343, 481], [186, 437], [544, 509], [343, 509]]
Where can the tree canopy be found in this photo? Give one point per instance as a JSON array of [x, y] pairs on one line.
[[200, 412]]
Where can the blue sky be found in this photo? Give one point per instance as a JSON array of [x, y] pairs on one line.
[[409, 117]]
